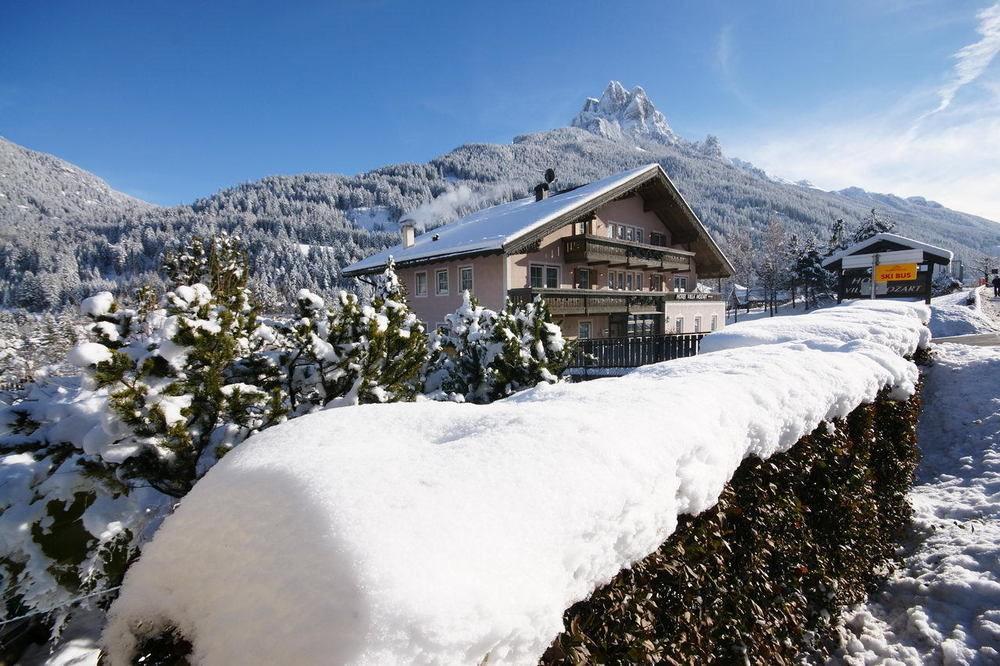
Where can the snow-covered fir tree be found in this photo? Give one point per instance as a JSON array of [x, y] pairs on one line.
[[463, 353], [810, 275], [873, 223], [532, 348], [358, 353], [838, 237], [92, 463]]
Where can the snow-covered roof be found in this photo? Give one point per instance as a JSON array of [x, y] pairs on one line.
[[495, 229], [488, 230], [858, 248]]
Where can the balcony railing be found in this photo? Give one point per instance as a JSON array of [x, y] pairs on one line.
[[614, 252], [606, 301], [632, 352]]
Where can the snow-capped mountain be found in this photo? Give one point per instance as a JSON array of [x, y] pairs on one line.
[[37, 184], [620, 114]]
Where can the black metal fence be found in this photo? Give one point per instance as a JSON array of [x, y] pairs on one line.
[[631, 352]]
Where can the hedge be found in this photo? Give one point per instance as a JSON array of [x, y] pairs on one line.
[[762, 577]]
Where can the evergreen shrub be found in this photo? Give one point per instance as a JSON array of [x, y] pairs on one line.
[[762, 577]]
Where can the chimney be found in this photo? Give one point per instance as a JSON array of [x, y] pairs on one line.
[[542, 189], [406, 227]]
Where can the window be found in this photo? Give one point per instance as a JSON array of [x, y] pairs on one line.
[[546, 277], [657, 239], [624, 232], [697, 324], [679, 325], [465, 278], [680, 283], [583, 278], [551, 277], [638, 281], [656, 283], [628, 281], [715, 322], [420, 283], [584, 333], [442, 282], [537, 276], [621, 280], [611, 279]]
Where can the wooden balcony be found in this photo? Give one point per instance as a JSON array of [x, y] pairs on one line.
[[605, 301], [632, 352], [598, 250]]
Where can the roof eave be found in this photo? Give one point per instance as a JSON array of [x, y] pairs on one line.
[[408, 263]]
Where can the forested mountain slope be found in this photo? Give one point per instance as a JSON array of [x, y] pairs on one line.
[[302, 229]]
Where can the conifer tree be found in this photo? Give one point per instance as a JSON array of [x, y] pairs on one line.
[[532, 348], [358, 353], [873, 223], [182, 385], [838, 237], [390, 348], [463, 353]]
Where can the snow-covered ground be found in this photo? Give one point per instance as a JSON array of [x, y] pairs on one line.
[[953, 314], [962, 313], [456, 533], [943, 604], [372, 218]]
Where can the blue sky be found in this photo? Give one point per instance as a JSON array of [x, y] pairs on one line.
[[170, 101]]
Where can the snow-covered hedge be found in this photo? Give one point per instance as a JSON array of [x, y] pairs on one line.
[[763, 576], [443, 533]]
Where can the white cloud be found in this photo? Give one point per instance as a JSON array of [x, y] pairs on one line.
[[950, 154], [972, 60], [726, 62]]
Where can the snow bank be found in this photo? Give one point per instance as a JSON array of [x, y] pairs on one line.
[[894, 324], [454, 533], [943, 604], [953, 315]]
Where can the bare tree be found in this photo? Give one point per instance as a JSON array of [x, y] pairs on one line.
[[771, 264], [741, 254], [985, 263]]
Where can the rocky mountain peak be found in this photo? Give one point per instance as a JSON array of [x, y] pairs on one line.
[[623, 115]]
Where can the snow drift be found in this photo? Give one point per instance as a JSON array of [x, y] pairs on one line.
[[454, 533]]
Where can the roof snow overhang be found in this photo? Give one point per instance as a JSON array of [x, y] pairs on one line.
[[886, 242]]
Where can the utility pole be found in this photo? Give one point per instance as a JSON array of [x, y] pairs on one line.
[[874, 268]]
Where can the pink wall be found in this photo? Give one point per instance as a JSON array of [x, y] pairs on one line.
[[630, 211], [549, 252], [487, 286], [689, 311]]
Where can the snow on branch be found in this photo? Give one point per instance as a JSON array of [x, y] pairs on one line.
[[435, 532]]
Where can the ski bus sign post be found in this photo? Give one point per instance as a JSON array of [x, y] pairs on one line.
[[887, 266], [893, 274]]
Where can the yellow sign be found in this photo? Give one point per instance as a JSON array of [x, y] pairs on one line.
[[895, 272]]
